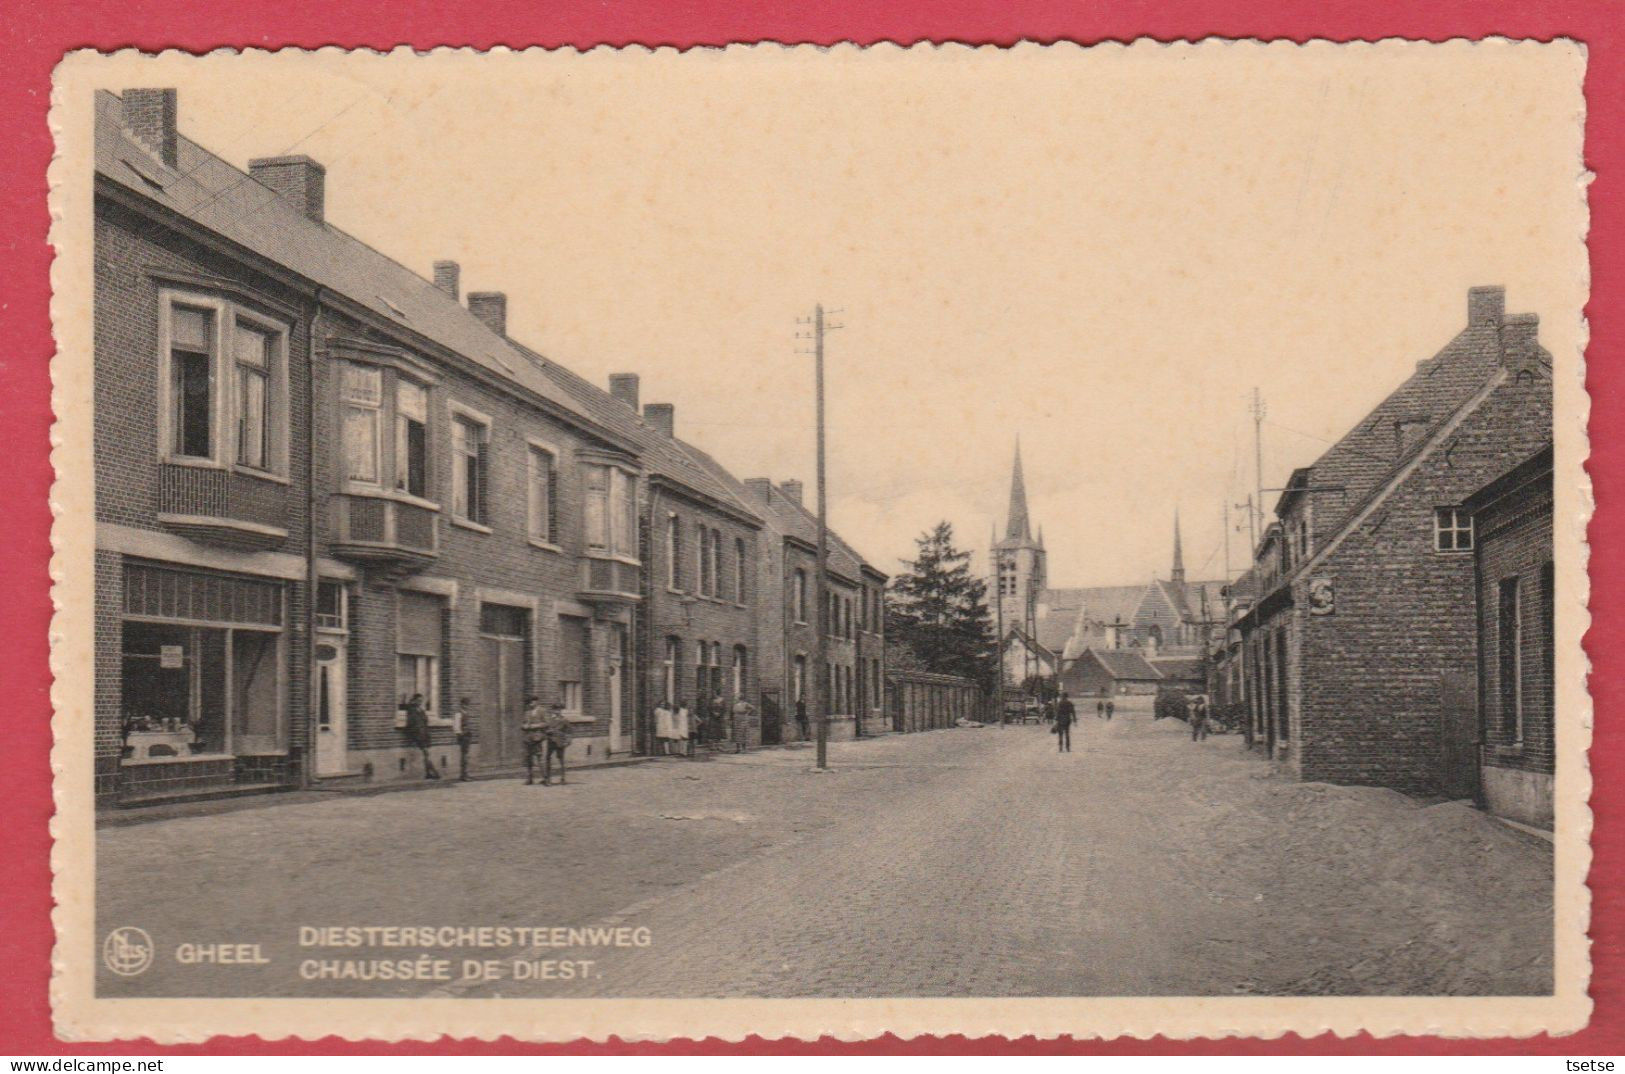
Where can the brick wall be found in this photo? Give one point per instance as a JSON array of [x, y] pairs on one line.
[[1365, 683], [134, 257], [1515, 541], [469, 561], [729, 618]]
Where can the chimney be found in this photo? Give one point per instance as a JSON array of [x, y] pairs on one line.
[[792, 489], [447, 275], [299, 180], [624, 386], [150, 116], [761, 488], [1520, 344], [1485, 305], [663, 416], [491, 307]]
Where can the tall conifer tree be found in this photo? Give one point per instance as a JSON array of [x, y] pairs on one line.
[[938, 610]]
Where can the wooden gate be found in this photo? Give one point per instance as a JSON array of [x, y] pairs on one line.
[[1458, 734], [772, 717]]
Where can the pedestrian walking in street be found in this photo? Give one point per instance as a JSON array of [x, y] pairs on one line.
[[1198, 717], [462, 726], [556, 732], [1100, 709], [417, 733], [1065, 715], [1111, 707], [532, 731], [743, 713], [801, 718]]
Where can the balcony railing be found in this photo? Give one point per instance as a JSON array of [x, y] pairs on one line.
[[377, 529], [224, 507], [610, 581]]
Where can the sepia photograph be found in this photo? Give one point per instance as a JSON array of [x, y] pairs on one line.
[[1024, 540]]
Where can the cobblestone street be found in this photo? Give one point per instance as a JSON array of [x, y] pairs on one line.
[[964, 862]]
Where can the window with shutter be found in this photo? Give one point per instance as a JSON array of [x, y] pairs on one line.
[[542, 502]]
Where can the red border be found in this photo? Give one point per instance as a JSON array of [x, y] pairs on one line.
[[33, 37]]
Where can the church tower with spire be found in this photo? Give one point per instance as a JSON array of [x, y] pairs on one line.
[[1177, 576], [1018, 568]]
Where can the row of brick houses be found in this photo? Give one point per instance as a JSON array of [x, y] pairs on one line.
[[324, 484], [1372, 640]]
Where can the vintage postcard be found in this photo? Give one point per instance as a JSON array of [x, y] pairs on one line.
[[795, 541]]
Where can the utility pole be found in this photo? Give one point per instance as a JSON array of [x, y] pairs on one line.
[[821, 656], [1252, 527], [1226, 505], [998, 606], [1258, 412]]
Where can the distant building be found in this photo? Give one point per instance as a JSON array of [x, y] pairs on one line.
[[1019, 568], [1512, 531], [1361, 647], [853, 619], [1110, 672]]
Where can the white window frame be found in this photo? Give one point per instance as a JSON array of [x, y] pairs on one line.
[[224, 406], [798, 595], [1455, 529], [459, 412], [535, 449]]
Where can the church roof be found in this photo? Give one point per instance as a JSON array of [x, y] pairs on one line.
[[1188, 599], [1122, 663]]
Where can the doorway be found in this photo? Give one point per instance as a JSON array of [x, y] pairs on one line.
[[504, 640], [619, 741], [332, 715]]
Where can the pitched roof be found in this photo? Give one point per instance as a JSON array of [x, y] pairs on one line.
[[791, 519], [1122, 663], [1029, 641], [1198, 601], [666, 456], [1100, 604], [1367, 454], [231, 203]]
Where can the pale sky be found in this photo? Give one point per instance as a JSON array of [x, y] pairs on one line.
[[1102, 250]]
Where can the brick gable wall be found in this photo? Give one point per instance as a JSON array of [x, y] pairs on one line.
[[1365, 683]]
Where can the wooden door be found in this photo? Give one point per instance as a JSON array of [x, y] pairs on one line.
[[502, 704]]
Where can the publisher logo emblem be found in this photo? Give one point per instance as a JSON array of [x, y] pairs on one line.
[[127, 951]]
